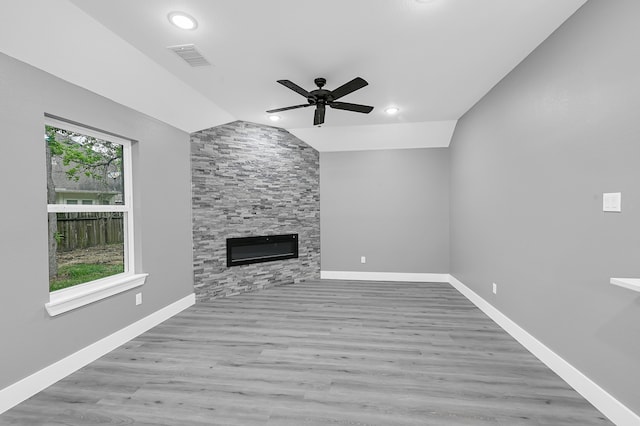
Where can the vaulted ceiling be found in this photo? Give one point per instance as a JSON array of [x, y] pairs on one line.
[[433, 59]]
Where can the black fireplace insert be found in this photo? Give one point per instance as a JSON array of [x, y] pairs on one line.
[[242, 251]]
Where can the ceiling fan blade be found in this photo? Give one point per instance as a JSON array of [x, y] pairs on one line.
[[271, 111], [352, 86], [318, 117], [365, 109], [294, 87]]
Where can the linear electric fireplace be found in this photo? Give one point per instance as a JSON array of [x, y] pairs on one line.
[[242, 251]]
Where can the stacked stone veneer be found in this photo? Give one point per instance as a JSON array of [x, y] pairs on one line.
[[250, 180]]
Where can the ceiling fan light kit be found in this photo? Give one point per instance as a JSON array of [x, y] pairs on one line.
[[321, 97]]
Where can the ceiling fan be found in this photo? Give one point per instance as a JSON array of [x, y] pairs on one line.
[[322, 97]]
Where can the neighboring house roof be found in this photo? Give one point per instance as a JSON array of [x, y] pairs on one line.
[[111, 183], [110, 186]]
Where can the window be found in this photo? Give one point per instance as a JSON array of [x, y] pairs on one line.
[[90, 241]]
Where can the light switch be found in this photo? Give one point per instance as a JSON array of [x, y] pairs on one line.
[[612, 202]]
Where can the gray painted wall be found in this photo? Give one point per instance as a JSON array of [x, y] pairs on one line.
[[391, 206], [30, 339], [252, 180], [529, 164]]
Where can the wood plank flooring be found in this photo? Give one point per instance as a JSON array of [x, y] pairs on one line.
[[317, 353]]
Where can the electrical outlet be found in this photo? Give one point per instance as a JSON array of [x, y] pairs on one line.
[[363, 259], [612, 202], [138, 299], [495, 288]]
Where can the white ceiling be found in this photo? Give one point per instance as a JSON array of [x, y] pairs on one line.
[[433, 59]]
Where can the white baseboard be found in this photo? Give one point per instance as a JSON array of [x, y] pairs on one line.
[[617, 412], [29, 386], [384, 276]]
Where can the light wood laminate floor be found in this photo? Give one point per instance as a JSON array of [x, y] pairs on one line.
[[317, 353]]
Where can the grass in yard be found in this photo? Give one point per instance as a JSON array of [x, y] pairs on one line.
[[79, 273]]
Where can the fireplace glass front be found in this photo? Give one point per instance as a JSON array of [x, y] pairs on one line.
[[246, 250]]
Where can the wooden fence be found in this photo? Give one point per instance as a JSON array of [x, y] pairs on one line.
[[83, 230]]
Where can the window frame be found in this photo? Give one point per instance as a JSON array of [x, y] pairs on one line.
[[70, 298]]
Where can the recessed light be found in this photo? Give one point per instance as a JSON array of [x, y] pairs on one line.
[[274, 117], [392, 110], [183, 20]]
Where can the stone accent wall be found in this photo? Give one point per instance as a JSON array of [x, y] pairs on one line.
[[250, 180]]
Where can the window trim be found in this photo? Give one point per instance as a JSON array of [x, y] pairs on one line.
[[67, 299], [70, 298]]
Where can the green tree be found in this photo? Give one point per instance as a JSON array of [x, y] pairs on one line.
[[84, 155]]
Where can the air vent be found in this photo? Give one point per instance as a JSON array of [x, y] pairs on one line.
[[190, 54]]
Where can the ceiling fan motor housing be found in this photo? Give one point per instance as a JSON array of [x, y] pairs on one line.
[[320, 96]]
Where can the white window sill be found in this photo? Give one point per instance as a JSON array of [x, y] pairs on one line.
[[67, 299], [629, 283]]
